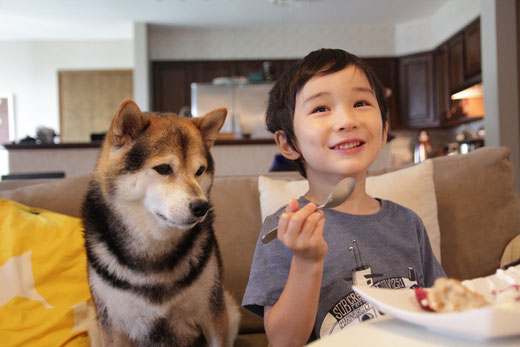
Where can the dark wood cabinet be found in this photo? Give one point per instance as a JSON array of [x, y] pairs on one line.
[[431, 78], [456, 61], [473, 60], [386, 71], [417, 93], [171, 87], [171, 80], [441, 76]]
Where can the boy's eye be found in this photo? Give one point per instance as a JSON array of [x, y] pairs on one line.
[[200, 171], [163, 169], [319, 109], [361, 104]]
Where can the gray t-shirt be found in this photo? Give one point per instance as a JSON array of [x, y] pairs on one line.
[[388, 249]]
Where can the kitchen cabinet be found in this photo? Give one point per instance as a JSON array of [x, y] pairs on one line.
[[171, 87], [442, 77], [472, 61], [464, 56], [456, 61], [171, 80], [416, 91], [385, 69], [428, 80]]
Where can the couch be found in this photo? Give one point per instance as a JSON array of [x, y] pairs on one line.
[[477, 209]]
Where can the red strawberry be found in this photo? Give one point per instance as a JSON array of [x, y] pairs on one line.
[[422, 298]]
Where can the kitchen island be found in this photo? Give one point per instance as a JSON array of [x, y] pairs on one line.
[[232, 157]]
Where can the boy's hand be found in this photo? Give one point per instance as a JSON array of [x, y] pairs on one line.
[[301, 231]]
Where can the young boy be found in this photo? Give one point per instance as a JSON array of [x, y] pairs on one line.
[[328, 116]]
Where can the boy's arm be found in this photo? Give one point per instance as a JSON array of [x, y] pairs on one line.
[[290, 321]]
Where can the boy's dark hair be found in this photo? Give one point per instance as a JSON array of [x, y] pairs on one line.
[[282, 97]]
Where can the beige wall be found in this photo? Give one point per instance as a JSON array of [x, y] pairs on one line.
[[29, 70], [500, 77]]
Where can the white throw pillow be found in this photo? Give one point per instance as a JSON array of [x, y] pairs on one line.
[[411, 187]]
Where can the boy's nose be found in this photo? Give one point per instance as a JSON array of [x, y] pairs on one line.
[[345, 120]]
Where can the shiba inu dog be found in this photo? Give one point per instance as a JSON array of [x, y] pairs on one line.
[[154, 265]]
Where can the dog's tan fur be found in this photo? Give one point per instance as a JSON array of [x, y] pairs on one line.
[[154, 266]]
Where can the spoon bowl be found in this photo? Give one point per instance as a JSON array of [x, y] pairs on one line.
[[339, 194]]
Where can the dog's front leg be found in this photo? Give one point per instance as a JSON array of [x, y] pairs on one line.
[[222, 330], [112, 338]]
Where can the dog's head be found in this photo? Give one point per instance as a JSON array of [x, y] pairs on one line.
[[158, 167]]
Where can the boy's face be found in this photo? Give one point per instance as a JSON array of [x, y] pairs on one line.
[[338, 126]]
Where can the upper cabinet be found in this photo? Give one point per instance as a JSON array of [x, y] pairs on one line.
[[456, 61], [473, 62], [386, 70], [428, 80], [416, 82], [171, 80]]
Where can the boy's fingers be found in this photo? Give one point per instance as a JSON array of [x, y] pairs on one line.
[[310, 224], [297, 220], [292, 206], [317, 232], [282, 222]]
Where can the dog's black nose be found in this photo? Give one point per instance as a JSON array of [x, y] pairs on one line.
[[199, 207]]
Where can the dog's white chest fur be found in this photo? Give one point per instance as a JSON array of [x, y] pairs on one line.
[[135, 314]]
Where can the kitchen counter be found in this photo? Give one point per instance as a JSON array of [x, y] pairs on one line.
[[232, 157], [97, 144]]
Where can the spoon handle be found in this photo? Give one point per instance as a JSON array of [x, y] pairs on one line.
[[273, 233], [270, 236], [339, 194]]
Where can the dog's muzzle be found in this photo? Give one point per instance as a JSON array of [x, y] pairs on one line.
[[199, 208]]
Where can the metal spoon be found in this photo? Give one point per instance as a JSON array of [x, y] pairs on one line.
[[340, 193]]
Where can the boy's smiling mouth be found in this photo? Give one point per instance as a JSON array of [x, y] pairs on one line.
[[349, 145]]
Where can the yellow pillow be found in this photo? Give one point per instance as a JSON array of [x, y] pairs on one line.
[[44, 293]]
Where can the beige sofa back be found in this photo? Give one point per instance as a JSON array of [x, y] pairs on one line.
[[478, 211]]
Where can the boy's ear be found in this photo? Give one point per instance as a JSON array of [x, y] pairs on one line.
[[210, 124], [127, 124], [285, 147]]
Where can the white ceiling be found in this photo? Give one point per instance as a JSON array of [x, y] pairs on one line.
[[112, 19]]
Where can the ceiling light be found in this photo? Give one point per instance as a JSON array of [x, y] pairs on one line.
[[288, 3]]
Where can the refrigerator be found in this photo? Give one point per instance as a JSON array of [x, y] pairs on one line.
[[246, 104]]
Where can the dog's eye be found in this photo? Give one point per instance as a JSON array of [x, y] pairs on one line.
[[200, 171], [163, 169]]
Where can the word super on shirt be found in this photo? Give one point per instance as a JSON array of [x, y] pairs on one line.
[[388, 249]]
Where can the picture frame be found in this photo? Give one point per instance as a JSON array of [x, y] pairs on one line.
[[7, 118]]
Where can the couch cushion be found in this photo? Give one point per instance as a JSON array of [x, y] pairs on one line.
[[44, 293], [479, 210], [237, 225], [418, 195], [511, 253], [60, 195], [251, 340]]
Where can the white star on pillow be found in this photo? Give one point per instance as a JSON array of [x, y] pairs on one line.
[[17, 272]]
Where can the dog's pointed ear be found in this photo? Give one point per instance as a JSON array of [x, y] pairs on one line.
[[127, 124], [210, 124]]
